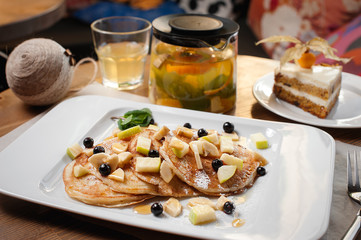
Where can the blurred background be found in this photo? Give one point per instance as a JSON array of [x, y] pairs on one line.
[[338, 21]]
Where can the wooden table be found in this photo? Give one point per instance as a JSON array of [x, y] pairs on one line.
[[20, 219], [19, 18]]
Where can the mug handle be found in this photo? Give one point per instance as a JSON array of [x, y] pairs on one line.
[[76, 86]]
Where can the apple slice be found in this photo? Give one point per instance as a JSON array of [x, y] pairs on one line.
[[166, 173], [74, 150], [226, 172], [183, 131], [143, 145], [209, 149], [212, 138], [113, 161], [117, 175], [179, 148], [124, 158], [259, 140], [129, 132], [147, 164], [226, 144], [232, 160], [80, 171], [98, 159], [119, 147], [195, 145], [220, 202], [161, 133], [173, 207], [201, 214]]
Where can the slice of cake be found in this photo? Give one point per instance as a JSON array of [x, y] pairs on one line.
[[314, 89]]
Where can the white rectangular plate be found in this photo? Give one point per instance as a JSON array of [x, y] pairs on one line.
[[292, 201]]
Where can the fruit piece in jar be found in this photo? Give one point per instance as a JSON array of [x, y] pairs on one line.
[[226, 172], [129, 132], [147, 164], [173, 207], [259, 140], [201, 214], [143, 145], [170, 102], [74, 150], [80, 171]]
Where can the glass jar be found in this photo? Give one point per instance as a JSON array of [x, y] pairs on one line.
[[193, 62]]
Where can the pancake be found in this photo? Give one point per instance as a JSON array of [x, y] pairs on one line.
[[175, 187], [206, 180], [131, 184], [91, 190]]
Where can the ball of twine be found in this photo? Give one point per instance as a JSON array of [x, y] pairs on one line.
[[39, 71]]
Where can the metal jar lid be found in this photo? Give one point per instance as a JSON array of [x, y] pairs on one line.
[[194, 30]]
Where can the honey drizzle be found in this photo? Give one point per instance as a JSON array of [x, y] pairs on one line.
[[142, 209], [238, 222]]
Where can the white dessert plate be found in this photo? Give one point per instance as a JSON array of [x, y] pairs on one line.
[[345, 114], [292, 201]]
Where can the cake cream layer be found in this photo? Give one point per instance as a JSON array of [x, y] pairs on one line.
[[316, 100], [320, 81]]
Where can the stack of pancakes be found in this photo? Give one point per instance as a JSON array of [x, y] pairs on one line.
[[188, 179]]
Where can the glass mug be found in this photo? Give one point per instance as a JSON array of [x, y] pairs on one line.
[[122, 45]]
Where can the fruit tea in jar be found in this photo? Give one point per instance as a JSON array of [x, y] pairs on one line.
[[193, 62]]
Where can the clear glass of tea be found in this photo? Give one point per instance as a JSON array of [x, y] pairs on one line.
[[122, 45]]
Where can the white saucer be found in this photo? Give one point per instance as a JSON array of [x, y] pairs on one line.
[[345, 114]]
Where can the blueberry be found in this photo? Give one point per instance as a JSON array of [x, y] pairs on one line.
[[104, 169], [187, 125], [151, 121], [202, 132], [88, 142], [261, 171], [157, 209], [228, 207], [153, 153], [217, 163], [228, 127], [98, 149]]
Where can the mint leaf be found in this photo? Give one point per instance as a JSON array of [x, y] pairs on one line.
[[135, 117]]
